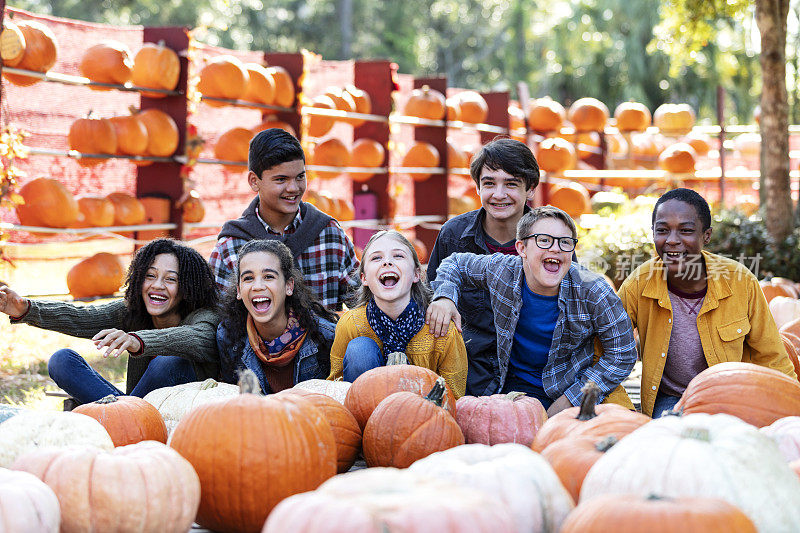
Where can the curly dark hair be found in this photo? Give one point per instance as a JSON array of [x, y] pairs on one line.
[[196, 286], [302, 301]]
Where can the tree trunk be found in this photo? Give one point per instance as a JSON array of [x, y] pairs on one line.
[[771, 17]]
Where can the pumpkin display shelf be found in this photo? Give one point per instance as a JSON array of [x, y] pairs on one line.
[[69, 79], [247, 103]]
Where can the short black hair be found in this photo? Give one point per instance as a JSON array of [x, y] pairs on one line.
[[690, 197], [272, 147], [510, 156]]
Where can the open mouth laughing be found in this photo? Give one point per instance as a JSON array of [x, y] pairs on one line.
[[261, 303], [389, 279], [551, 264]]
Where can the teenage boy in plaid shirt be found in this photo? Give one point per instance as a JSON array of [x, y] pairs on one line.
[[323, 252], [548, 313]]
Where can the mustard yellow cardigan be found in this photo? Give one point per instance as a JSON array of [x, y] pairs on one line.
[[447, 356]]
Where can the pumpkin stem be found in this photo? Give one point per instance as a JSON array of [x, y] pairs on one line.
[[107, 399], [248, 383], [515, 395], [396, 358], [655, 497], [606, 444], [590, 391], [210, 383], [696, 433], [436, 395]]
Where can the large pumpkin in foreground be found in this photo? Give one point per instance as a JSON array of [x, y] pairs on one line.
[[377, 500], [137, 488], [700, 455], [127, 419], [513, 473], [251, 452], [753, 393]]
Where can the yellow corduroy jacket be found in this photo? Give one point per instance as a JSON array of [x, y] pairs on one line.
[[447, 356], [734, 323]]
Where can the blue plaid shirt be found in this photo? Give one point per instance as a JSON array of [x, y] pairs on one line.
[[588, 307]]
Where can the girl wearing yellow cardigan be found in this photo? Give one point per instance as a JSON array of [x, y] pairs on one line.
[[389, 316]]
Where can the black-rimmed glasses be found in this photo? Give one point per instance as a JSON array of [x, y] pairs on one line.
[[545, 241]]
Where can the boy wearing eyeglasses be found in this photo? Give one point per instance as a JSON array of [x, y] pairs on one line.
[[548, 311], [506, 174]]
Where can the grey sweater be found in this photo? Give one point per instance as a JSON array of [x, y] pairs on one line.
[[194, 339]]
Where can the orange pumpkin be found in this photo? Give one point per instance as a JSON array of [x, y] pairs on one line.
[[223, 77], [47, 203], [588, 114], [772, 290], [107, 62], [420, 249], [371, 387], [456, 158], [790, 343], [192, 208], [99, 275], [453, 106], [572, 198], [699, 141], [128, 210], [284, 86], [260, 86], [344, 209], [366, 153], [644, 150], [269, 124], [516, 122], [756, 394], [457, 205], [234, 145], [342, 99], [632, 116], [406, 427], [12, 44], [588, 419], [587, 144], [162, 133], [363, 103], [323, 202], [572, 457], [319, 125], [425, 103], [421, 154], [156, 67], [345, 429], [95, 212], [330, 153], [128, 419], [131, 135], [545, 114], [630, 513], [474, 109], [556, 155], [678, 158], [250, 452], [39, 54], [674, 119], [92, 136]]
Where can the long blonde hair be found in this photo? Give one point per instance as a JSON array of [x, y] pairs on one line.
[[420, 290]]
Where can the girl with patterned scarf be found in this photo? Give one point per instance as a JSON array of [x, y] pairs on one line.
[[389, 316], [271, 323]]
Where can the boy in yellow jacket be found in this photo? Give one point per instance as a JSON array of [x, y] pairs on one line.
[[694, 309]]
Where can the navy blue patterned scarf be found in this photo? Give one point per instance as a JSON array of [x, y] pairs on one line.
[[395, 334]]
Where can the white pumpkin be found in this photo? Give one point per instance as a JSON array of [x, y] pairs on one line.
[[335, 389], [784, 309], [376, 500], [786, 433], [514, 473], [141, 487], [175, 402], [27, 504], [38, 429], [703, 455]]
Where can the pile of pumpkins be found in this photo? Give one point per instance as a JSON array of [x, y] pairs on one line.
[[233, 460], [227, 77], [782, 296], [31, 45]]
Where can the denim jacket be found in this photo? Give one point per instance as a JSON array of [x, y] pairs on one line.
[[233, 361]]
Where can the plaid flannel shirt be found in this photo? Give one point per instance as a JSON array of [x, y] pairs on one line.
[[588, 306], [329, 266]]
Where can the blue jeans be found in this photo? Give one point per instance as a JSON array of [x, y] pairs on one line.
[[73, 374], [513, 383], [361, 354], [663, 403]]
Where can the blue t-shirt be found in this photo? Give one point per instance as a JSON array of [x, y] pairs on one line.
[[533, 336]]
